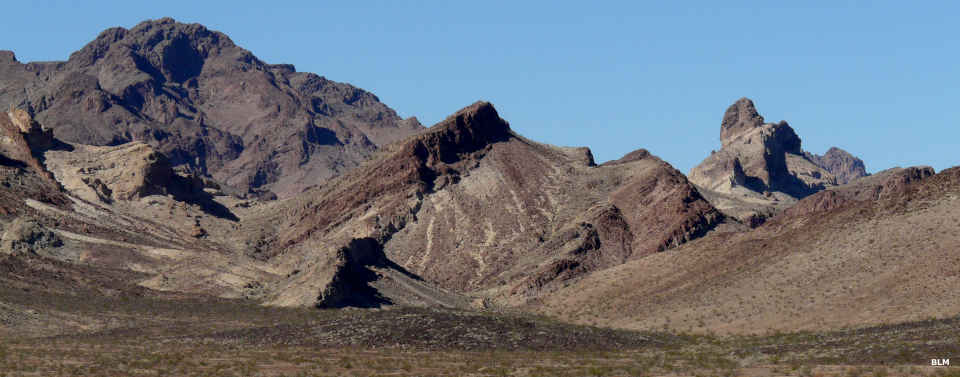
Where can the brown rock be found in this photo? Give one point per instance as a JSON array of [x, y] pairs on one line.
[[39, 138], [125, 172], [739, 178]]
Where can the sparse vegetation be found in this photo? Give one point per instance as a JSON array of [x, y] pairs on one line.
[[235, 338]]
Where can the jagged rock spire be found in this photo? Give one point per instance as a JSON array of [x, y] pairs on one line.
[[740, 117]]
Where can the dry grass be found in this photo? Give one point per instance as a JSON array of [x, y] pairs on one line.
[[212, 337]]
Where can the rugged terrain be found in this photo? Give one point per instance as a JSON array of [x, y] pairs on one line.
[[207, 104], [135, 213], [473, 208], [400, 229]]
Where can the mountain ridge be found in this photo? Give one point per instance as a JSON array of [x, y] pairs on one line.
[[466, 214]]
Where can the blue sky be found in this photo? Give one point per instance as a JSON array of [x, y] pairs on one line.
[[879, 79]]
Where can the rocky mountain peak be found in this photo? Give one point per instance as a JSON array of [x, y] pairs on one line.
[[209, 105], [166, 49], [763, 162], [479, 121], [843, 165], [740, 117], [467, 130]]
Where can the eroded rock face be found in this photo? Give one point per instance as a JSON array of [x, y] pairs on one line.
[[761, 168], [843, 165], [129, 172], [22, 140], [39, 138], [124, 172], [207, 104], [761, 150]]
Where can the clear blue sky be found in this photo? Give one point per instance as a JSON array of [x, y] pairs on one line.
[[880, 79]]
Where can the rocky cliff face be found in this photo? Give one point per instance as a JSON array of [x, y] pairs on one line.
[[124, 172], [208, 104], [761, 167], [23, 140]]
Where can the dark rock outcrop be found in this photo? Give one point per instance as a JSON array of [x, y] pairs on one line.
[[349, 284]]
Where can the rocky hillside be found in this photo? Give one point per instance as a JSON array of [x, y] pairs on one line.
[[761, 168], [207, 104], [466, 213], [473, 208], [880, 250]]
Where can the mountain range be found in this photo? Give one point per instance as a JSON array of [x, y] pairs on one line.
[[166, 161]]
